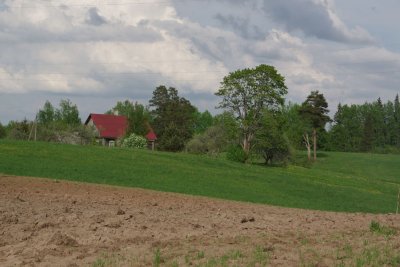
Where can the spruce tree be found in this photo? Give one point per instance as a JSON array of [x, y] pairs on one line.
[[368, 134], [397, 121], [379, 123], [173, 118]]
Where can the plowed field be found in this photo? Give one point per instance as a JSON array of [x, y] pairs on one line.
[[56, 223]]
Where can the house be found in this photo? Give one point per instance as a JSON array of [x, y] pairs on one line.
[[109, 127]]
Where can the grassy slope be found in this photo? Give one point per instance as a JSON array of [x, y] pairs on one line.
[[339, 182]]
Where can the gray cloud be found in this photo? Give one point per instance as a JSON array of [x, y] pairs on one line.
[[213, 46], [87, 33], [94, 18], [241, 26], [313, 18]]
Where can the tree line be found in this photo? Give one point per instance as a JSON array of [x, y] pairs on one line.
[[255, 122], [368, 127]]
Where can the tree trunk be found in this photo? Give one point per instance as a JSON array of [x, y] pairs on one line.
[[315, 143], [246, 145], [308, 145], [247, 138]]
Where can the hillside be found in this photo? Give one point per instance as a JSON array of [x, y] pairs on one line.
[[338, 182]]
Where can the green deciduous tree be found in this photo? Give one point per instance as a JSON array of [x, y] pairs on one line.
[[138, 116], [174, 118], [294, 125], [203, 120], [67, 113], [315, 110], [270, 139], [60, 124], [227, 121], [247, 93], [47, 114]]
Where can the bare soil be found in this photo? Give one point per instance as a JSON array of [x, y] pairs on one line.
[[57, 223]]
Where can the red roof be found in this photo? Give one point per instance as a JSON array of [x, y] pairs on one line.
[[109, 126], [151, 136]]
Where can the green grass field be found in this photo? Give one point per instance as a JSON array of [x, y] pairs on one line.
[[338, 182]]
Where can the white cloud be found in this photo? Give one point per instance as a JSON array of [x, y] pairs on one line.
[[124, 50]]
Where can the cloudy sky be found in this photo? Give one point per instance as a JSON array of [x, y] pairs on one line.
[[97, 52]]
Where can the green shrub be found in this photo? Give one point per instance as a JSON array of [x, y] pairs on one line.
[[19, 130], [236, 153], [67, 134], [196, 146], [212, 141], [135, 141]]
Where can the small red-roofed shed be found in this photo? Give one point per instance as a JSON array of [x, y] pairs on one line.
[[151, 139], [151, 136], [109, 127]]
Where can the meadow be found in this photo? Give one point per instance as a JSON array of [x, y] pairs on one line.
[[349, 182]]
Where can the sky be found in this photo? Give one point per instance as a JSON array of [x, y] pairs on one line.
[[98, 52]]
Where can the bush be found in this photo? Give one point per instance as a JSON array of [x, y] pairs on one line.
[[67, 134], [196, 146], [19, 130], [276, 151], [135, 141], [212, 141], [236, 153], [87, 134], [173, 138]]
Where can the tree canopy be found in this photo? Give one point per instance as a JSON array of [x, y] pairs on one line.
[[271, 141], [47, 114], [67, 113], [174, 118], [314, 110], [138, 116], [247, 93], [368, 127]]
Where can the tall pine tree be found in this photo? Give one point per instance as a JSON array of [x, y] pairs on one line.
[[315, 110]]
